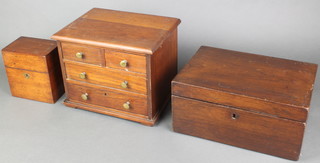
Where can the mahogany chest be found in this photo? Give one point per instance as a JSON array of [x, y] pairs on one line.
[[33, 69], [119, 63], [251, 101]]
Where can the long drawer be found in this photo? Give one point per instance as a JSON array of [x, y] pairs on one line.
[[108, 77], [110, 98]]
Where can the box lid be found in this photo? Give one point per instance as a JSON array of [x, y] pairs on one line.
[[267, 85], [29, 53], [120, 30]]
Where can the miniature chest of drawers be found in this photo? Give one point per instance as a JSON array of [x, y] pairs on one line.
[[119, 63], [33, 69], [251, 101]]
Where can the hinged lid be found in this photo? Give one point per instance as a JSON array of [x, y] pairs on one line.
[[267, 85], [30, 54], [119, 30]]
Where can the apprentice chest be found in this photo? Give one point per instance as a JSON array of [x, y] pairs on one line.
[[251, 101], [119, 63]]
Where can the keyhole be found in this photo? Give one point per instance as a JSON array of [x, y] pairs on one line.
[[105, 94], [27, 76], [234, 116]]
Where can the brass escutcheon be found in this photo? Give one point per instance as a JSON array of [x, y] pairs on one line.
[[26, 75]]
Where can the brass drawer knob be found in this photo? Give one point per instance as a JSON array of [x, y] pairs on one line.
[[83, 75], [79, 55], [84, 96], [124, 84], [26, 75], [126, 105], [124, 63]]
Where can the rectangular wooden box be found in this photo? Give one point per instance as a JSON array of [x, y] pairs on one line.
[[251, 101], [119, 63], [33, 69]]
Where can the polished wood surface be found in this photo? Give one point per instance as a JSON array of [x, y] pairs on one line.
[[251, 101], [254, 131], [36, 87], [33, 69], [109, 98], [119, 30], [163, 69], [146, 47], [107, 77], [92, 55], [136, 63], [285, 85]]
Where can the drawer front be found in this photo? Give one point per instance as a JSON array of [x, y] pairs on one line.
[[30, 85], [124, 61], [82, 53], [118, 79], [120, 100], [270, 135]]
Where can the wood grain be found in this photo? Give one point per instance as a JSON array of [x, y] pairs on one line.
[[275, 136], [91, 55], [33, 69], [131, 32], [37, 87], [163, 68], [120, 36], [136, 63], [129, 18], [107, 77], [109, 98], [249, 81]]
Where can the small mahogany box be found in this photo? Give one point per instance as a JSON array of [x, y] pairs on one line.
[[33, 69], [119, 63], [251, 101]]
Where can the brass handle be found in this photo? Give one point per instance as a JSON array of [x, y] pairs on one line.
[[79, 55], [124, 84], [26, 75], [126, 105], [83, 75], [124, 63], [84, 96]]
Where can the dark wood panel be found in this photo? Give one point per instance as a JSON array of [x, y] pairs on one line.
[[163, 69], [249, 81], [270, 135]]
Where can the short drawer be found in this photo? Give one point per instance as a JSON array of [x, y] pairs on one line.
[[108, 77], [124, 61], [120, 100], [82, 53], [258, 132]]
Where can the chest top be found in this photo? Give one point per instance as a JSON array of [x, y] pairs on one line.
[[251, 80], [31, 46], [119, 30]]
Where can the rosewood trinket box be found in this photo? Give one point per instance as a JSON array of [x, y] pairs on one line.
[[119, 63], [33, 69], [251, 101]]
